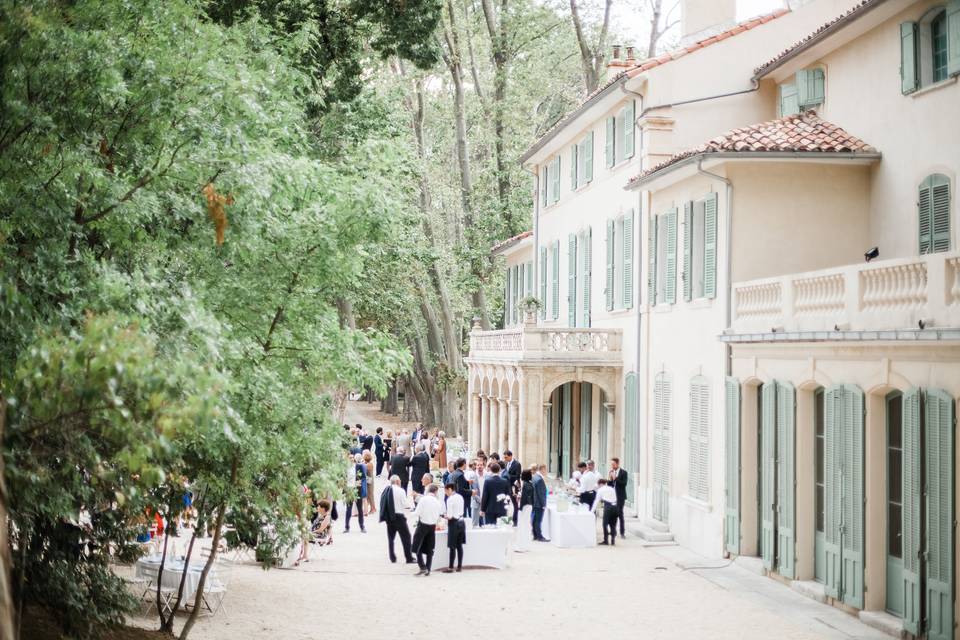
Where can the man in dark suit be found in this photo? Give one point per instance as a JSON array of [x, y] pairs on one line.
[[419, 465], [459, 479], [378, 450], [417, 434], [400, 467], [618, 478], [491, 502], [391, 512], [539, 502], [512, 469], [366, 440]]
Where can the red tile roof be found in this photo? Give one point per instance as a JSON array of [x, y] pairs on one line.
[[503, 244], [804, 132], [824, 31], [630, 71]]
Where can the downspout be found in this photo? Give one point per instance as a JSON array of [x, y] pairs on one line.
[[728, 302]]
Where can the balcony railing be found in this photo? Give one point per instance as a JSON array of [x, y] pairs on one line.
[[532, 342], [891, 294]]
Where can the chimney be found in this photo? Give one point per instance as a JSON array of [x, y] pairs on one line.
[[631, 57], [701, 19], [617, 64]]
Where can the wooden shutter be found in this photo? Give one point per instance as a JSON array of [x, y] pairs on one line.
[[588, 158], [628, 260], [925, 217], [572, 280], [938, 456], [619, 137], [528, 288], [573, 167], [555, 281], [662, 393], [953, 37], [768, 452], [507, 290], [543, 283], [629, 127], [611, 157], [630, 432], [566, 427], [671, 288], [586, 418], [731, 529], [852, 554], [587, 284], [789, 100], [544, 182], [908, 57], [912, 496], [611, 256], [710, 246], [832, 410], [686, 273], [940, 212], [810, 87], [652, 262], [786, 445], [699, 454], [555, 180], [515, 297]]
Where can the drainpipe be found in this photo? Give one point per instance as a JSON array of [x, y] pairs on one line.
[[728, 303]]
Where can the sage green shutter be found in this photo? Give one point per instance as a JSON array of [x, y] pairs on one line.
[[939, 452], [699, 436], [912, 496], [528, 288], [555, 281], [908, 57], [628, 129], [662, 393], [833, 449], [555, 180], [573, 167], [515, 297], [652, 262], [619, 131], [566, 428], [789, 100], [731, 529], [671, 288], [587, 285], [586, 418], [851, 551], [610, 133], [810, 87], [506, 297], [630, 432], [628, 260], [710, 246], [768, 452], [572, 280], [543, 282], [611, 253], [786, 462], [588, 158], [953, 37], [687, 273], [933, 214]]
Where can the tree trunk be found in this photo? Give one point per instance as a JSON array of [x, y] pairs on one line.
[[497, 30], [591, 58], [6, 595], [218, 527]]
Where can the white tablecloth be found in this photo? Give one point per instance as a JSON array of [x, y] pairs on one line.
[[575, 528], [486, 547], [172, 572]]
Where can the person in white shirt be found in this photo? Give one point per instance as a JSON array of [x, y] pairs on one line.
[[425, 537], [393, 501], [607, 496], [574, 483], [588, 482], [456, 527]]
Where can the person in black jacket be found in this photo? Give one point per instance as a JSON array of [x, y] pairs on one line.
[[392, 514], [459, 480], [494, 489], [419, 465], [618, 478], [513, 469], [400, 467], [378, 450]]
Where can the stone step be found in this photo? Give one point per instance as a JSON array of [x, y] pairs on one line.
[[883, 621], [649, 535], [753, 564]]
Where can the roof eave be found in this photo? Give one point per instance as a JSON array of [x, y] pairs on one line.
[[715, 157], [510, 247]]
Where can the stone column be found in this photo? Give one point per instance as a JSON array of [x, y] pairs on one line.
[[502, 412], [513, 440], [483, 442], [494, 426], [475, 421], [611, 409]]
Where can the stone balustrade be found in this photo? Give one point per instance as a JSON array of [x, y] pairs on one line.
[[880, 295], [529, 341]]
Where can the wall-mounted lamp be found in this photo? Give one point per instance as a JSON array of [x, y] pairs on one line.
[[873, 254]]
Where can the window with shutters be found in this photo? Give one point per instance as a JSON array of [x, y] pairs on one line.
[[930, 47], [895, 474], [584, 276], [665, 261], [699, 425], [933, 214], [581, 162], [620, 142], [619, 286], [805, 90], [938, 46], [700, 248], [618, 264]]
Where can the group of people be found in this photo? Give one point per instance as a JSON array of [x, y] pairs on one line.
[[611, 492]]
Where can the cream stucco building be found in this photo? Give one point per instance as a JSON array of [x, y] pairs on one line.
[[709, 314]]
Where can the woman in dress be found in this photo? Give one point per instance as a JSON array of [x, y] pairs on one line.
[[368, 461], [524, 529], [441, 454], [388, 450], [322, 529]]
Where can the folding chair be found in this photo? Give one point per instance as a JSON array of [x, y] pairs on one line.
[[152, 575]]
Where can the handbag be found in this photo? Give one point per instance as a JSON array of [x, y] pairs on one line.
[[333, 511]]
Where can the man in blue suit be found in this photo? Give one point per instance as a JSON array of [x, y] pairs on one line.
[[495, 489], [378, 450], [539, 502]]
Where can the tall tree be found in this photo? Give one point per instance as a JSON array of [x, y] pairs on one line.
[[591, 54]]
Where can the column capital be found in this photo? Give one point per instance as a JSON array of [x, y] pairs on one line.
[[610, 405]]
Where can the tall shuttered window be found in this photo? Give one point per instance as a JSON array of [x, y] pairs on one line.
[[620, 261], [700, 248], [699, 425], [938, 46], [581, 162], [930, 47], [933, 211], [806, 90], [665, 260], [620, 142]]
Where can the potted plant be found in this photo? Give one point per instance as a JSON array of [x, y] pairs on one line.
[[530, 305]]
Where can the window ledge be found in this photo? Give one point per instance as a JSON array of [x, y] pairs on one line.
[[700, 303], [697, 503], [933, 87], [663, 307], [619, 311], [622, 163]]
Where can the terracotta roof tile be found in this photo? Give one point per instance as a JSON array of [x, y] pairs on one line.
[[803, 132], [503, 244], [644, 65], [861, 8]]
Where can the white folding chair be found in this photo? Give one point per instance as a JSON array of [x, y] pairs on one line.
[[215, 590], [152, 575]]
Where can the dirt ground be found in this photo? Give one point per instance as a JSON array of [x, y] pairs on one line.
[[351, 590]]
